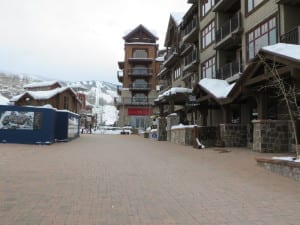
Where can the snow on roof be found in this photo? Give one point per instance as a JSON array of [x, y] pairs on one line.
[[219, 88], [3, 100], [41, 95], [177, 16], [40, 84], [175, 90], [288, 50]]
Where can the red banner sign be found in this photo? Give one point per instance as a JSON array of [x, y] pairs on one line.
[[139, 112]]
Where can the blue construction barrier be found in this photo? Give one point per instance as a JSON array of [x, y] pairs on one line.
[[67, 126], [34, 125]]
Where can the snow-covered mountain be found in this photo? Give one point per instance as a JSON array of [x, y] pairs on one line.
[[101, 94]]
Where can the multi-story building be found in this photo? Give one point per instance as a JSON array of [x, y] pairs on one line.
[[138, 77], [226, 37], [180, 69]]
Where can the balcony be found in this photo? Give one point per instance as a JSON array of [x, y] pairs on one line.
[[291, 37], [229, 71], [140, 72], [191, 61], [140, 60], [226, 5], [171, 57], [120, 76], [228, 35], [190, 31], [139, 87], [134, 101]]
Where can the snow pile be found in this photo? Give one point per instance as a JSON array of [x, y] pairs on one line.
[[219, 88], [181, 126], [175, 90], [288, 158], [288, 50]]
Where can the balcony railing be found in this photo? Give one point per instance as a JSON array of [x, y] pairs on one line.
[[229, 70], [291, 37], [190, 34], [133, 101], [228, 27], [140, 86], [191, 57], [140, 72]]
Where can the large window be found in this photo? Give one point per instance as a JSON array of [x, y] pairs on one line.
[[208, 35], [208, 68], [140, 53], [206, 7], [252, 4], [263, 35], [177, 73]]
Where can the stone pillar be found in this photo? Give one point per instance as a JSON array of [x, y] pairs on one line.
[[271, 136], [172, 119], [261, 106], [161, 129]]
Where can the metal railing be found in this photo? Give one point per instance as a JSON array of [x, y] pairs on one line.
[[228, 27], [133, 101], [229, 70], [140, 72], [191, 57], [190, 26], [139, 86], [291, 37]]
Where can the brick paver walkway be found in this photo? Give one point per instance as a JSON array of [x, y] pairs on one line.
[[129, 180]]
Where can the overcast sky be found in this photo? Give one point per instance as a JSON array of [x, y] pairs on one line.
[[75, 39]]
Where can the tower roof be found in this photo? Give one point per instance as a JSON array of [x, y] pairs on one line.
[[140, 34]]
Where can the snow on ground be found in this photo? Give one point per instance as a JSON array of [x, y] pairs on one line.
[[106, 114], [287, 158], [3, 100], [111, 130]]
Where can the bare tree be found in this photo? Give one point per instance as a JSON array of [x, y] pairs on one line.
[[287, 91]]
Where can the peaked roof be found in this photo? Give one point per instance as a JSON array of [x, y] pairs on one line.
[[42, 84], [138, 29], [42, 95], [174, 22]]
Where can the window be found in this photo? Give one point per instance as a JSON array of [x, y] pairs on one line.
[[206, 7], [208, 35], [251, 4], [66, 102], [177, 73], [139, 70], [140, 83], [140, 53], [139, 98], [208, 68], [263, 35]]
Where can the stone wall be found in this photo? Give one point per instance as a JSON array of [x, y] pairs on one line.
[[284, 168], [271, 136], [234, 135], [183, 136], [207, 136]]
